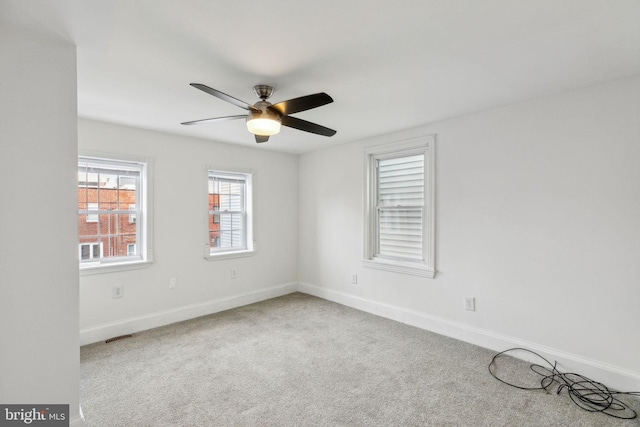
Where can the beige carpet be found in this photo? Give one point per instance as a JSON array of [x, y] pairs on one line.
[[298, 360]]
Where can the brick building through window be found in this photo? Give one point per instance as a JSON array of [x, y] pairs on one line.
[[214, 220], [109, 212], [108, 227]]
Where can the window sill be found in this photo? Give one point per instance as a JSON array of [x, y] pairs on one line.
[[413, 269], [230, 255], [112, 268]]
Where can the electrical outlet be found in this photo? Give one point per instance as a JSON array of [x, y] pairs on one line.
[[470, 303], [354, 279], [172, 282], [234, 273], [117, 291]]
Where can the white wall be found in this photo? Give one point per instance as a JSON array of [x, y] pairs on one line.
[[179, 186], [39, 354], [537, 217]]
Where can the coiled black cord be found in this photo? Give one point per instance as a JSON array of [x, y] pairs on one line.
[[590, 395]]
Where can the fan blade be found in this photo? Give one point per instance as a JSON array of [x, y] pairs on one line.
[[262, 138], [303, 103], [215, 119], [296, 123], [223, 96]]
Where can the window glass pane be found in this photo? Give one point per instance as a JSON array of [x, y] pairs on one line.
[[231, 230], [107, 191], [87, 179], [107, 224], [116, 232], [126, 195], [231, 195], [87, 228]]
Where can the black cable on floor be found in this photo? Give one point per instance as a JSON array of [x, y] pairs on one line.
[[590, 395]]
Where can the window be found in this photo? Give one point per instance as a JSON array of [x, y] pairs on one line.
[[399, 214], [92, 207], [113, 222], [230, 231], [89, 251]]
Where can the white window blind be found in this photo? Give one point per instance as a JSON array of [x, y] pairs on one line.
[[227, 212], [400, 207]]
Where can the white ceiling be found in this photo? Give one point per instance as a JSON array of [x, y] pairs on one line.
[[387, 65]]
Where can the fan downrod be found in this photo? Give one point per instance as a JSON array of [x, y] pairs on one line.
[[263, 91]]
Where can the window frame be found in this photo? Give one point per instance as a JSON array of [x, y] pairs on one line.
[[426, 266], [144, 216], [249, 249]]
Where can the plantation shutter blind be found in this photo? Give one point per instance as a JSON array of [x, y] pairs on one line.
[[232, 211], [400, 207]]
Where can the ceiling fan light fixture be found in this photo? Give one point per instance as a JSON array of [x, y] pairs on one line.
[[263, 124], [264, 119]]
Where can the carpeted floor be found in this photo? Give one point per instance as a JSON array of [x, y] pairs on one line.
[[298, 360]]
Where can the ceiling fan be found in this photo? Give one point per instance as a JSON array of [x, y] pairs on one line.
[[264, 119]]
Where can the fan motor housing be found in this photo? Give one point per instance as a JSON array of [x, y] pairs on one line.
[[264, 114]]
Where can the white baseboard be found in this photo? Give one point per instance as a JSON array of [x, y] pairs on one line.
[[77, 420], [153, 320], [612, 376]]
